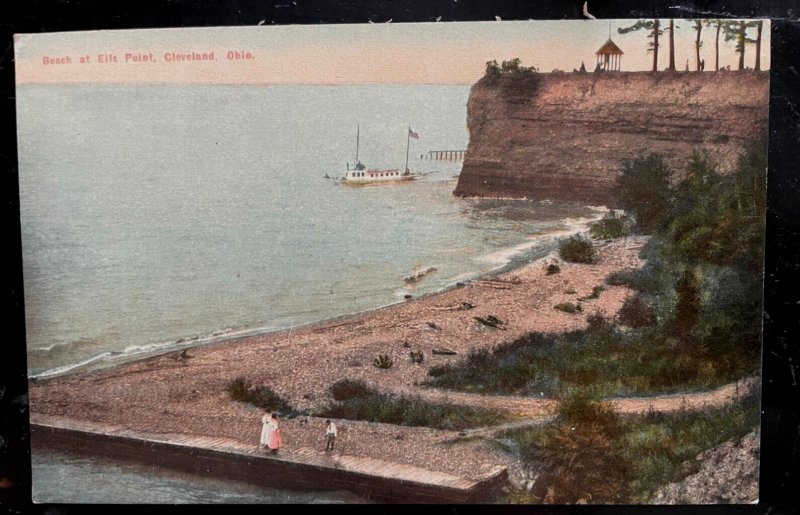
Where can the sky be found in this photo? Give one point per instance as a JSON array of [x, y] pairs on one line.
[[414, 53]]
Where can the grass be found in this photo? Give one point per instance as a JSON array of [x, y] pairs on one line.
[[618, 363], [640, 453], [374, 406], [661, 448]]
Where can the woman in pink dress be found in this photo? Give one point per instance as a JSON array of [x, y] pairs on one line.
[[275, 440]]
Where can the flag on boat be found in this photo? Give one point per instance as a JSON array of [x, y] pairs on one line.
[[413, 134]]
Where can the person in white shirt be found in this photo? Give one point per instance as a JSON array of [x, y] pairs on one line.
[[266, 429], [330, 433]]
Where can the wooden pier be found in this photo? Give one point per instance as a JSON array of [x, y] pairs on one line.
[[294, 469], [446, 155]]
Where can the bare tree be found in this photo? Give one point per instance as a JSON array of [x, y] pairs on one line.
[[759, 27], [718, 24], [671, 66]]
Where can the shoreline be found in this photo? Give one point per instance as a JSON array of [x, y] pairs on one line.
[[163, 394], [516, 260]]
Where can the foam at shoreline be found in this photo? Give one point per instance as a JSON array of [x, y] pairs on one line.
[[536, 249]]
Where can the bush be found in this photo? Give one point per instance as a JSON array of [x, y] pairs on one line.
[[583, 406], [577, 249], [416, 356], [265, 398], [383, 361], [579, 454], [636, 313], [596, 291], [608, 227], [597, 323], [241, 389], [568, 307], [345, 389], [553, 269], [410, 411]]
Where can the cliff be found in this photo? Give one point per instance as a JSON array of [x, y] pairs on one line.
[[566, 135]]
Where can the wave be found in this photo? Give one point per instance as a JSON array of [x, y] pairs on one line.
[[72, 366], [133, 352], [501, 258]]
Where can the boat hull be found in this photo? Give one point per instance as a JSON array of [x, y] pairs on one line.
[[365, 181]]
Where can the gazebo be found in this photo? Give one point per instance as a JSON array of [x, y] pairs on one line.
[[609, 57]]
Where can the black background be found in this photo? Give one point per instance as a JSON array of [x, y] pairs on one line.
[[780, 451]]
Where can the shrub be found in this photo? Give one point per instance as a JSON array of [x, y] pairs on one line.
[[416, 357], [266, 398], [596, 291], [583, 406], [383, 361], [579, 454], [489, 321], [241, 389], [568, 307], [410, 411], [345, 389], [577, 249], [553, 269], [438, 370], [610, 226], [597, 323], [636, 313]]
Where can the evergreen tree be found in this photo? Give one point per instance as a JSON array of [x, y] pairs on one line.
[[654, 26]]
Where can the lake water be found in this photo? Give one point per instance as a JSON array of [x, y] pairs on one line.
[[154, 217], [67, 479], [153, 214]]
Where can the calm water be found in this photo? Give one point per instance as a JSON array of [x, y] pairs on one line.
[[65, 478], [153, 216]]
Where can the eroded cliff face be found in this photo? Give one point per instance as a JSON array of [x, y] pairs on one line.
[[567, 136]]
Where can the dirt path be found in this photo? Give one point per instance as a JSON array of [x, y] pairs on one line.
[[532, 408]]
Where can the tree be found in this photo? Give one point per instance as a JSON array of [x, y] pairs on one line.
[[643, 190], [698, 27], [671, 66], [654, 26], [759, 27], [687, 309], [737, 31], [718, 24]]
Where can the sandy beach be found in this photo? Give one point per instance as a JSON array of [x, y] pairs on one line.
[[163, 394]]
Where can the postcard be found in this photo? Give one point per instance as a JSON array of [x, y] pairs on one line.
[[491, 262]]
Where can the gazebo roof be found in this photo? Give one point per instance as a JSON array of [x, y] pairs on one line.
[[609, 47]]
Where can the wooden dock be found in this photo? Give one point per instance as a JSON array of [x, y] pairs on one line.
[[295, 469]]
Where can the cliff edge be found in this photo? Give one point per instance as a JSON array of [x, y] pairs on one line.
[[566, 136]]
